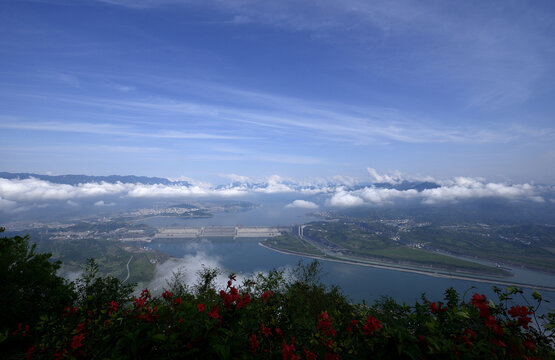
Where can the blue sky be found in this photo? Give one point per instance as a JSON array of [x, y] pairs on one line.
[[301, 89]]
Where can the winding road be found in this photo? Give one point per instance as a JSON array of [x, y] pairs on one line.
[[128, 272]]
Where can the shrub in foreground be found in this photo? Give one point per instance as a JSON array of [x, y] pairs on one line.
[[271, 317]]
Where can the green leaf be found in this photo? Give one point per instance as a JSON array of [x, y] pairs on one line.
[[463, 314], [159, 337]]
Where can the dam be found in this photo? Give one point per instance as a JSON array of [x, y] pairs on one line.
[[234, 232]]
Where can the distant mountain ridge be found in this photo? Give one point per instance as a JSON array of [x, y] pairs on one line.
[[147, 180], [82, 179]]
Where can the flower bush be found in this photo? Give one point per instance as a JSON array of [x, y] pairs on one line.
[[271, 317], [236, 324]]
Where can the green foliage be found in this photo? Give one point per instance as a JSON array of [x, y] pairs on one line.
[[29, 289], [29, 285], [95, 291], [275, 316], [205, 284]]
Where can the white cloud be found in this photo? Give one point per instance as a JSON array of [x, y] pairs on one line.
[[35, 189], [466, 188], [345, 199], [13, 191], [275, 185], [460, 188], [6, 205], [380, 196], [102, 203], [236, 178], [393, 179], [190, 265], [303, 204]]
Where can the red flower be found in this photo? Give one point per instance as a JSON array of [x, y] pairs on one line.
[[148, 314], [19, 328], [481, 303], [77, 341], [167, 295], [266, 295], [521, 312], [229, 298], [498, 343], [288, 351], [59, 354], [201, 307], [266, 331], [177, 301], [243, 301], [80, 327], [332, 356], [145, 294], [325, 325], [30, 352], [309, 355], [140, 302], [354, 323], [421, 338], [435, 308], [468, 334], [214, 313], [372, 324], [494, 326], [279, 332], [529, 344], [112, 307], [253, 343]]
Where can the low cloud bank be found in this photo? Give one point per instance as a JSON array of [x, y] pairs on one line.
[[460, 188], [15, 193]]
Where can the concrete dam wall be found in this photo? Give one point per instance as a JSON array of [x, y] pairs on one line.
[[221, 231]]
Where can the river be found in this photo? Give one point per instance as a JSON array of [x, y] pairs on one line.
[[357, 282]]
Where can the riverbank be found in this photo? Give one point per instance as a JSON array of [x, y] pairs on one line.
[[420, 271]]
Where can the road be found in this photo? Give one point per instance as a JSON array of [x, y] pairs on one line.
[[128, 272]]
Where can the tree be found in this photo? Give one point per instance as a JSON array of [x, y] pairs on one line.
[[29, 285], [95, 291]]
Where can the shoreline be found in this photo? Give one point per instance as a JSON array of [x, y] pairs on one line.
[[410, 270]]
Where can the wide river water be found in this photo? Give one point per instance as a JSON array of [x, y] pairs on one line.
[[357, 282]]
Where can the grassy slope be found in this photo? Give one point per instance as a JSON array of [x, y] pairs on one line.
[[291, 242], [110, 256], [377, 245]]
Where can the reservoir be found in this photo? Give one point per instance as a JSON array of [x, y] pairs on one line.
[[357, 282], [246, 256]]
